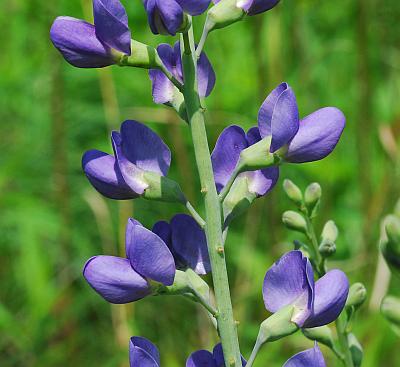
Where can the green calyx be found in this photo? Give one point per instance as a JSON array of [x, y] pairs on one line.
[[357, 295], [321, 334], [162, 189], [142, 56], [238, 200], [277, 326], [258, 156], [223, 14]]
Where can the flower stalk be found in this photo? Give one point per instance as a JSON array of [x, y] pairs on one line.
[[213, 227]]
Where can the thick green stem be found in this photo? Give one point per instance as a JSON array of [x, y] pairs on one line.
[[226, 323]]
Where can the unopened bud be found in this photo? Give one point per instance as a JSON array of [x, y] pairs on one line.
[[321, 334], [312, 197], [293, 192], [327, 249], [356, 350], [294, 221], [391, 247], [330, 232], [357, 295], [390, 308], [277, 326]]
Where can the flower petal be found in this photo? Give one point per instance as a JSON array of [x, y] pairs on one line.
[[290, 281], [133, 175], [330, 298], [263, 181], [194, 7], [279, 116], [128, 234], [309, 358], [143, 353], [254, 7], [77, 42], [226, 154], [163, 230], [218, 355], [189, 244], [206, 76], [317, 136], [201, 358], [165, 17], [115, 280], [150, 256], [103, 173], [144, 148], [111, 22]]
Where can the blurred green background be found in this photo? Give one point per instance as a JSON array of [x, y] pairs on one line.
[[344, 53]]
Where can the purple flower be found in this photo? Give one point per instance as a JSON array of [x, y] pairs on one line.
[[150, 256], [232, 141], [168, 16], [204, 358], [310, 139], [143, 353], [187, 242], [290, 281], [253, 7], [137, 150], [163, 89], [309, 358], [93, 46]]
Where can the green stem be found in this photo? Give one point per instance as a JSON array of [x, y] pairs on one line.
[[200, 221], [170, 76], [225, 190], [320, 263], [254, 353], [213, 228], [344, 345]]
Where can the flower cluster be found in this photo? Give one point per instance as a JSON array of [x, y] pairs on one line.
[[244, 165]]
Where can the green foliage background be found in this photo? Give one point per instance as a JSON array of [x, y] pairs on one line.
[[344, 53]]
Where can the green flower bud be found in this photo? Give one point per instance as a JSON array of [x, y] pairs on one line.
[[293, 192], [223, 14], [327, 249], [390, 308], [357, 295], [356, 350], [330, 232], [142, 56], [391, 247], [238, 200], [162, 189], [312, 197], [277, 326], [321, 334], [294, 221]]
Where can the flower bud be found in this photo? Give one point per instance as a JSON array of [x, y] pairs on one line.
[[357, 295], [277, 326], [330, 232], [356, 350], [162, 188], [327, 249], [312, 197], [391, 247], [390, 308], [294, 221], [293, 192], [321, 334]]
